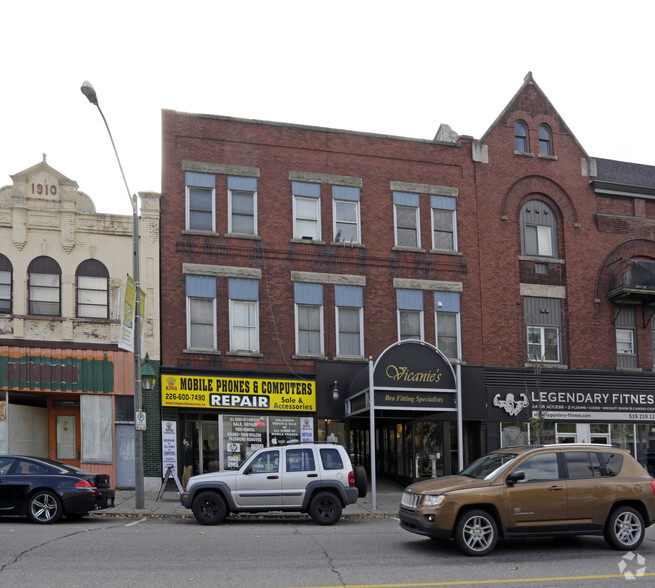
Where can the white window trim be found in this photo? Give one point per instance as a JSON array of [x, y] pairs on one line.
[[321, 331], [632, 341], [421, 324], [188, 323], [361, 330], [229, 212], [317, 201], [458, 330], [357, 221], [542, 339], [256, 327], [455, 245], [187, 207], [418, 226]]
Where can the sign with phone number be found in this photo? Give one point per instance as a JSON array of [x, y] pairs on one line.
[[238, 393]]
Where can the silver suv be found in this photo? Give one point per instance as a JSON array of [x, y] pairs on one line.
[[314, 478]]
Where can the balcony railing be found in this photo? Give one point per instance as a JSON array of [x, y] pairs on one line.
[[632, 282]]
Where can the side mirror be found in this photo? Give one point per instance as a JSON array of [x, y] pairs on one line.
[[514, 477], [248, 470]]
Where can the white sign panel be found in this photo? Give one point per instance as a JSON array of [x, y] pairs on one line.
[[169, 445]]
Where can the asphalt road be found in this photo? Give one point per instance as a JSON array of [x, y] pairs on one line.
[[293, 552]]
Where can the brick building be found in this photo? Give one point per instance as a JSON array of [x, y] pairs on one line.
[[66, 386], [308, 271]]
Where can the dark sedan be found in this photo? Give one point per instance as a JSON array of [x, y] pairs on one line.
[[45, 489]]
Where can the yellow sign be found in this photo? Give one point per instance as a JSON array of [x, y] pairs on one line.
[[238, 393]]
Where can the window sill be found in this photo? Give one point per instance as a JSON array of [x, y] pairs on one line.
[[523, 153], [539, 259], [307, 241], [202, 351], [445, 252], [628, 369], [349, 358], [244, 353], [201, 233], [310, 357], [408, 249], [551, 157], [243, 236], [546, 365], [346, 244]]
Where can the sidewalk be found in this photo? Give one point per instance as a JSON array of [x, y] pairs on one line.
[[387, 503]]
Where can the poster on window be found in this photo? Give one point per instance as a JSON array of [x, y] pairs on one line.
[[284, 430], [242, 436], [169, 445]]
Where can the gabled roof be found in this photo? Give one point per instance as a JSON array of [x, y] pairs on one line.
[[529, 81], [43, 166]]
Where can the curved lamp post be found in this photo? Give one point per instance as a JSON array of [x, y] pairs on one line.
[[88, 90]]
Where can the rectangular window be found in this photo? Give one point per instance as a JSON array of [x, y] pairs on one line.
[[538, 240], [242, 205], [543, 344], [406, 219], [444, 223], [306, 211], [345, 209], [244, 315], [200, 201], [410, 314], [201, 312], [349, 301], [447, 326], [92, 297], [625, 342], [44, 294], [96, 424], [5, 292], [308, 300], [300, 460]]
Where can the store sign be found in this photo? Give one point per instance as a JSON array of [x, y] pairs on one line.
[[238, 393], [415, 400], [580, 405]]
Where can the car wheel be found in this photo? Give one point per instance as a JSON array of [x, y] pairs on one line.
[[209, 508], [325, 508], [476, 532], [361, 482], [44, 507], [624, 528]]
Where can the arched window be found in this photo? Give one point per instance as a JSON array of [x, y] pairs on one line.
[[545, 140], [521, 139], [92, 284], [44, 287], [6, 272], [538, 229]]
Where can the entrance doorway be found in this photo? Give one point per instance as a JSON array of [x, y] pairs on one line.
[[64, 435]]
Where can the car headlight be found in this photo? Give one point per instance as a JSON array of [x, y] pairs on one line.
[[432, 500]]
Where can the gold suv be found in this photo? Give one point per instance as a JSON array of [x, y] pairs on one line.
[[548, 490]]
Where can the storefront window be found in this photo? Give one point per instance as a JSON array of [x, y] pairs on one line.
[[566, 432], [429, 458], [242, 436], [623, 436], [513, 434], [96, 419], [646, 447]]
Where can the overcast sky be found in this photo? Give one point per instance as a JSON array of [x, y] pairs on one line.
[[397, 68]]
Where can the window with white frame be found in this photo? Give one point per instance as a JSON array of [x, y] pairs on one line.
[[410, 314], [201, 312], [242, 205], [306, 210], [625, 344], [406, 219], [349, 302], [625, 325], [308, 300], [244, 314], [200, 201], [543, 317], [44, 287], [92, 290], [345, 212], [538, 229], [447, 324], [444, 223], [6, 273]]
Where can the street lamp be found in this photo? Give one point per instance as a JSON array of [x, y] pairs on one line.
[[88, 90]]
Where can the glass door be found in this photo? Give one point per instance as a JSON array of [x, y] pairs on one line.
[[65, 434]]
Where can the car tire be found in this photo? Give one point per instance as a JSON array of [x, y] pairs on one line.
[[44, 507], [624, 529], [325, 508], [209, 508], [361, 481], [476, 532]]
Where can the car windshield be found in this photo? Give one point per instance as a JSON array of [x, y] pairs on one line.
[[485, 467]]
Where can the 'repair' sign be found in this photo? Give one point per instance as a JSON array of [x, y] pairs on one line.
[[238, 393]]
